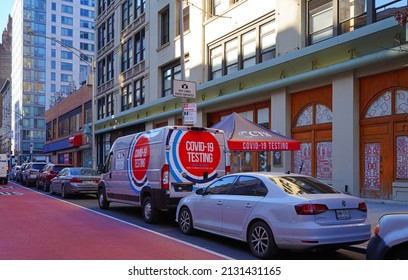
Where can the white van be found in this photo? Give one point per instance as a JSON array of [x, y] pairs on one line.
[[4, 168], [155, 169]]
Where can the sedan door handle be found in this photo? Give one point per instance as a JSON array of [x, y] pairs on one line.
[[248, 205], [219, 202]]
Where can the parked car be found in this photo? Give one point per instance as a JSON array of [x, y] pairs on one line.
[[272, 211], [30, 172], [47, 173], [390, 239], [75, 180], [19, 174], [14, 171]]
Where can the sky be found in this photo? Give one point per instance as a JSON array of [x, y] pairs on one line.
[[5, 10]]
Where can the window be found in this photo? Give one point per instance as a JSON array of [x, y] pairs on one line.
[[222, 186], [101, 108], [244, 49], [352, 15], [231, 56], [101, 37], [186, 17], [139, 94], [110, 66], [320, 20], [110, 29], [67, 32], [164, 27], [127, 97], [249, 186], [101, 72], [66, 77], [267, 41], [109, 105], [140, 7], [127, 53], [169, 73], [66, 55], [67, 9], [139, 46], [66, 66], [216, 63], [67, 20], [127, 13], [248, 49]]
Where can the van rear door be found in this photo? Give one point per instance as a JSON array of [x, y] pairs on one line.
[[196, 157]]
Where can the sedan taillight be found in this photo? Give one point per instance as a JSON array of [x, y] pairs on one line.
[[310, 209], [362, 207], [75, 180]]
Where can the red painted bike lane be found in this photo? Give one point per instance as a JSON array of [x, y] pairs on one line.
[[34, 226]]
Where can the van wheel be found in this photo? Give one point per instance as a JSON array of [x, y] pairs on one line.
[[185, 220], [261, 241], [150, 214], [102, 200]]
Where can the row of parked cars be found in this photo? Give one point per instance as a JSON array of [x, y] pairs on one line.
[[268, 211], [63, 179]]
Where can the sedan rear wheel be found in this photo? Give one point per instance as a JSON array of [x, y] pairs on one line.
[[186, 221], [261, 241]]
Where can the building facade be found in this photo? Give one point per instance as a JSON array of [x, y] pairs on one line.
[[67, 123], [52, 53], [329, 73]]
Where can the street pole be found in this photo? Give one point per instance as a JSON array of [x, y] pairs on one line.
[[182, 60], [94, 156]]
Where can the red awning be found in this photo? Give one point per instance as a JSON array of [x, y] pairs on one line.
[[75, 141]]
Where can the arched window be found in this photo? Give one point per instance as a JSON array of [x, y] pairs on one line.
[[315, 155]]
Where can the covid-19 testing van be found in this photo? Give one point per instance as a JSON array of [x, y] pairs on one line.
[[156, 168]]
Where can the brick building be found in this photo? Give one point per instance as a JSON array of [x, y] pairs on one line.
[[66, 126]]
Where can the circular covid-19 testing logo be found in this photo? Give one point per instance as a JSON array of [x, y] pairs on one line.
[[197, 153], [140, 159]]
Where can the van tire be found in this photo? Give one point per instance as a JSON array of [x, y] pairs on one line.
[[150, 214], [102, 200]]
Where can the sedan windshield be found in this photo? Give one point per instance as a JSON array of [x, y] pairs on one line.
[[302, 185]]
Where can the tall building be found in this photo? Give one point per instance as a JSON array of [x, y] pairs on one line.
[[5, 96], [52, 52], [330, 73]]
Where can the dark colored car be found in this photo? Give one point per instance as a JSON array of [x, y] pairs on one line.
[[47, 173], [29, 174], [75, 180], [390, 239]]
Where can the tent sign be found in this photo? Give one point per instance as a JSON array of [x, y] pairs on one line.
[[189, 113], [184, 89]]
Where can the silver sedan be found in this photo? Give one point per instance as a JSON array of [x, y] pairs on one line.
[[75, 180], [272, 211]]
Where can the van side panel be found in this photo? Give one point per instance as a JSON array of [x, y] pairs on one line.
[[190, 158]]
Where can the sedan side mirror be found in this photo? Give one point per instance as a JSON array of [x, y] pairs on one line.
[[200, 191]]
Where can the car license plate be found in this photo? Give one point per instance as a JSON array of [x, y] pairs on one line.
[[343, 214]]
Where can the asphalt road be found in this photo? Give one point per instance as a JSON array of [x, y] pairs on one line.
[[225, 246]]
